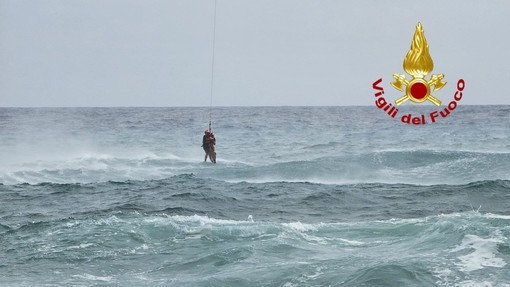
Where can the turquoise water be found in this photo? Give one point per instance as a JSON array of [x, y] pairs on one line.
[[300, 196]]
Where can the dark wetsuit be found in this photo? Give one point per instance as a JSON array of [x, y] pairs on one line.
[[206, 143]]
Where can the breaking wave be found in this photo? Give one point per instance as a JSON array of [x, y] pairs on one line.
[[413, 167]]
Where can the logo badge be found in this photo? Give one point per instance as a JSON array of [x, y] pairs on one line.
[[418, 63]]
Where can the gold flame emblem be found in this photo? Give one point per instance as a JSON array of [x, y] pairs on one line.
[[418, 64]]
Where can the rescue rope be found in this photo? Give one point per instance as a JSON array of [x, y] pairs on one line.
[[212, 68]]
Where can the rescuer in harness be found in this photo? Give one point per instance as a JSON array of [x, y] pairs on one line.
[[208, 143]]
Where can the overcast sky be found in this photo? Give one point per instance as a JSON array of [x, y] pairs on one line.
[[268, 52]]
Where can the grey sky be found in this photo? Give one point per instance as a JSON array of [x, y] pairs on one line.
[[278, 52]]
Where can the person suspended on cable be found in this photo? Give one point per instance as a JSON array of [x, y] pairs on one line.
[[212, 147], [208, 143]]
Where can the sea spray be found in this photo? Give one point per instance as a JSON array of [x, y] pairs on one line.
[[301, 196]]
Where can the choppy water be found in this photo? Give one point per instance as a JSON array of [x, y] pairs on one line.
[[301, 196]]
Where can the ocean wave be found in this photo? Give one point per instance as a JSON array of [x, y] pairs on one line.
[[470, 233], [392, 274], [413, 167], [441, 224], [189, 194], [393, 251], [187, 178], [417, 167]]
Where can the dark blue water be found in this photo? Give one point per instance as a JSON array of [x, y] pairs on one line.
[[300, 196]]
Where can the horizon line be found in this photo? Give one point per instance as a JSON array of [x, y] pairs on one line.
[[226, 106]]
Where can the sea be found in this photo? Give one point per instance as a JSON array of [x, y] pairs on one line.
[[299, 196]]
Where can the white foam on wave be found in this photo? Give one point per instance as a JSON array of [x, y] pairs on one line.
[[471, 214], [203, 220], [302, 227], [400, 221], [88, 167], [81, 246], [96, 167], [485, 283], [310, 227], [391, 178], [496, 216], [195, 224], [483, 252], [91, 277], [196, 219], [314, 180]]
